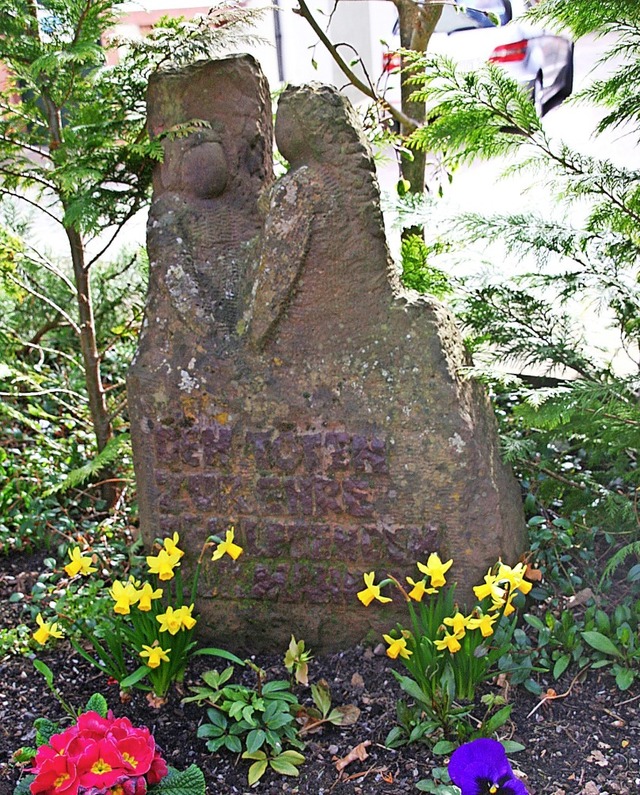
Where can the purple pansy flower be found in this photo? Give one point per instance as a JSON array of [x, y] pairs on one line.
[[481, 767]]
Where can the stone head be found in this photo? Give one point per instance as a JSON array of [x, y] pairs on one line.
[[230, 149], [314, 123]]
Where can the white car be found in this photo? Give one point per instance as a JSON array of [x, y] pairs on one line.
[[479, 31]]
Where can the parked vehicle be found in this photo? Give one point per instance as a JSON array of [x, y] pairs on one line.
[[495, 30]]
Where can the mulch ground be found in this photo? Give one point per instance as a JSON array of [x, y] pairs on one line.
[[587, 743]]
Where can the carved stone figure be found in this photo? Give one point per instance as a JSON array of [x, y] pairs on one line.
[[287, 385], [205, 221]]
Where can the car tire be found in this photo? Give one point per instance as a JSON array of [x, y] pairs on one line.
[[536, 95], [567, 86]]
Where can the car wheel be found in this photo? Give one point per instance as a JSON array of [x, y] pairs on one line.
[[536, 96], [567, 86]]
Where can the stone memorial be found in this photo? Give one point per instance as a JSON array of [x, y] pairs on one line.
[[286, 385]]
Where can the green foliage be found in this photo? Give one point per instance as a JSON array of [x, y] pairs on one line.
[[439, 783], [97, 703], [573, 441], [111, 453], [14, 640], [182, 782], [417, 273], [258, 721], [311, 719], [74, 146], [46, 429], [148, 620], [100, 164], [286, 763], [574, 640], [296, 661]]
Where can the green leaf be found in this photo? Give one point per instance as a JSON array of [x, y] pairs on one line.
[[216, 680], [23, 786], [207, 730], [411, 688], [625, 678], [44, 670], [97, 703], [136, 676], [255, 740], [534, 621], [275, 686], [45, 729], [497, 720], [561, 665], [600, 642], [511, 746], [293, 756], [426, 785], [395, 738], [226, 655], [284, 766], [256, 771], [24, 755], [112, 451], [217, 718], [186, 782], [233, 743], [443, 747], [321, 698], [254, 755]]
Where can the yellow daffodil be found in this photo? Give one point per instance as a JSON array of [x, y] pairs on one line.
[[163, 564], [397, 647], [47, 629], [171, 546], [170, 621], [372, 591], [124, 594], [145, 596], [503, 604], [491, 587], [514, 577], [435, 569], [227, 547], [449, 642], [186, 619], [483, 623], [458, 623], [155, 655], [79, 564], [419, 589]]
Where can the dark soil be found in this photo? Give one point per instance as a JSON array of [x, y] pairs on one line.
[[585, 743]]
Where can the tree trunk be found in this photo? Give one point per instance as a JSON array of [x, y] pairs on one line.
[[100, 418], [416, 26]]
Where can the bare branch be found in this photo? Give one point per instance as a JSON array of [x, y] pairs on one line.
[[27, 177], [46, 300], [5, 192], [38, 257], [132, 211], [398, 115], [21, 144]]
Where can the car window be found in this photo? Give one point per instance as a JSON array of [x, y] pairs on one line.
[[454, 19], [499, 8]]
